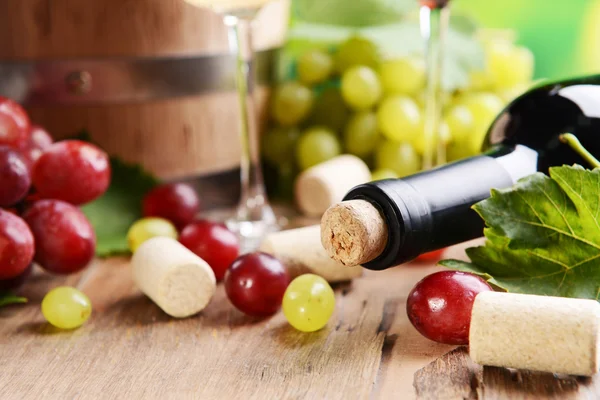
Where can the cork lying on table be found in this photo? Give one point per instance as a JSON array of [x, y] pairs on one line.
[[540, 333], [353, 232], [323, 185], [177, 280], [301, 251]]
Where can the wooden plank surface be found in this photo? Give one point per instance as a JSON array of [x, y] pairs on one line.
[[129, 349]]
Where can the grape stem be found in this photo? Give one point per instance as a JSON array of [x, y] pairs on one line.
[[576, 145]]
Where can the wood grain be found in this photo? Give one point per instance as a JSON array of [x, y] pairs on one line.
[[130, 349]]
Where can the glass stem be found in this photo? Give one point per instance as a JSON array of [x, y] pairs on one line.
[[252, 196], [434, 26]]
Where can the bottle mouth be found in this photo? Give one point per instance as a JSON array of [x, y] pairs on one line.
[[407, 215]]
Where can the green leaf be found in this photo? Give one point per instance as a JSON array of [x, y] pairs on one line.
[[112, 214], [543, 235], [7, 299]]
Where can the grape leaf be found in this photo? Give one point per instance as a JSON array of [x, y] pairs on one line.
[[112, 214], [7, 299], [543, 235]]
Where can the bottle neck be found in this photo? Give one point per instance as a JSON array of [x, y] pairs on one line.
[[432, 210]]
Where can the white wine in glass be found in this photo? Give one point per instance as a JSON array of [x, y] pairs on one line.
[[254, 217]]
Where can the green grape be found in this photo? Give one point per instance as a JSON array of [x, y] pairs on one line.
[[330, 111], [315, 146], [479, 80], [361, 88], [314, 67], [361, 134], [443, 136], [291, 103], [398, 157], [383, 173], [308, 303], [399, 118], [356, 51], [508, 65], [403, 76], [147, 228], [66, 307], [484, 108], [512, 93], [460, 121], [458, 150], [278, 145]]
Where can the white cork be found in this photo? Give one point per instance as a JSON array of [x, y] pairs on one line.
[[540, 333], [323, 185], [301, 251], [177, 280]]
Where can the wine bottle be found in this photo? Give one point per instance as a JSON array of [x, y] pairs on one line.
[[386, 223]]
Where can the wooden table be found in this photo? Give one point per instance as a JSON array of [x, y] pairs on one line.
[[129, 349]]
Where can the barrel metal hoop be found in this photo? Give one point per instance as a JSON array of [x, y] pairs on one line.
[[124, 80]]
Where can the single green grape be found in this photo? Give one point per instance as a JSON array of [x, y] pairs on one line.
[[512, 93], [383, 173], [442, 136], [278, 144], [460, 121], [361, 134], [147, 228], [399, 118], [66, 307], [308, 303], [315, 146], [484, 108], [314, 67], [356, 51], [403, 75], [480, 80], [361, 88], [330, 110], [291, 103], [398, 157], [509, 65]]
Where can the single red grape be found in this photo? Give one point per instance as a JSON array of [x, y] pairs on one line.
[[15, 180], [14, 123], [39, 140], [176, 202], [64, 239], [440, 305], [212, 242], [432, 256], [17, 281], [16, 245], [255, 284], [74, 171]]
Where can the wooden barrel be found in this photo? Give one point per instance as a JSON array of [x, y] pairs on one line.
[[152, 81]]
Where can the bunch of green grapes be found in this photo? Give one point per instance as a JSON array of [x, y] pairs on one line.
[[353, 100]]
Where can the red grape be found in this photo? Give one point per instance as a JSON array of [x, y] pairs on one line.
[[212, 242], [39, 140], [73, 171], [432, 256], [16, 245], [64, 239], [440, 305], [17, 281], [255, 284], [176, 202], [14, 177], [14, 123]]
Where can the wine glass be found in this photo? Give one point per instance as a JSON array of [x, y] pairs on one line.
[[253, 217], [434, 18]]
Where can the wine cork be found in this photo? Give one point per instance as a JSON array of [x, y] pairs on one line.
[[177, 280], [301, 252], [541, 333], [353, 232], [323, 185]]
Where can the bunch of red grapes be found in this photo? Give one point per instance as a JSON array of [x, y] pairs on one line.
[[42, 183]]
